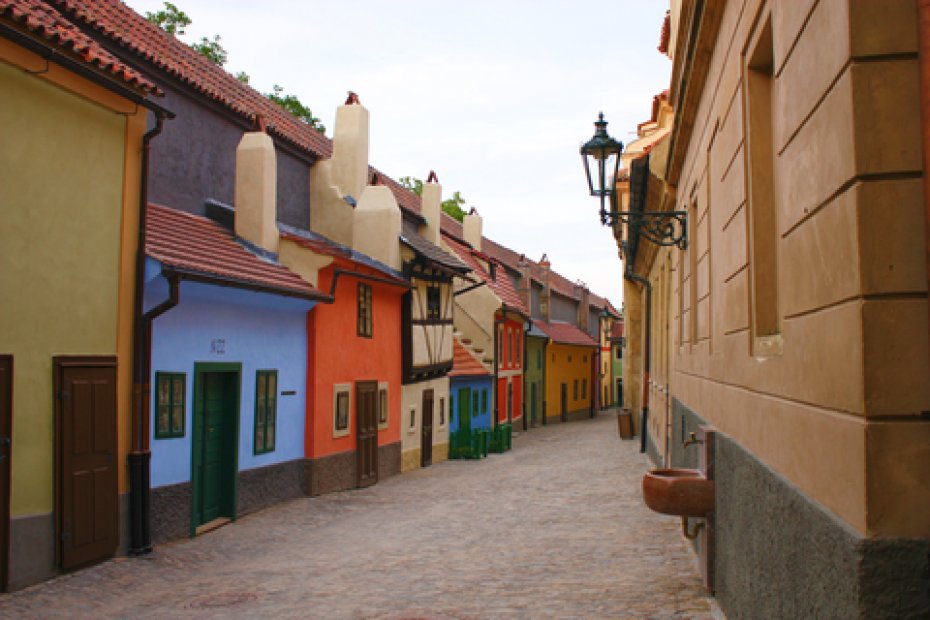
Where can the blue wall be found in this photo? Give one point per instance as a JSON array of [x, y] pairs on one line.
[[258, 330], [480, 420]]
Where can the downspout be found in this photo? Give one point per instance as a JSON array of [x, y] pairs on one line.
[[923, 29], [497, 322], [526, 424], [140, 455], [647, 288]]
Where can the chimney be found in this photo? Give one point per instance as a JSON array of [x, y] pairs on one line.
[[350, 147], [376, 229], [256, 191], [546, 297], [583, 297], [524, 289], [431, 208], [471, 229]]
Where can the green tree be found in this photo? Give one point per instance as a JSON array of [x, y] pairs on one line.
[[214, 52], [451, 206], [243, 77], [171, 19], [293, 105]]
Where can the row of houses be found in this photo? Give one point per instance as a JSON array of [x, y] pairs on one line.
[[210, 307]]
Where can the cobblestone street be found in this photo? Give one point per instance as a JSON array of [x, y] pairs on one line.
[[554, 528]]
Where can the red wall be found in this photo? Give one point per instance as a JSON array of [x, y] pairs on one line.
[[511, 332], [337, 355]]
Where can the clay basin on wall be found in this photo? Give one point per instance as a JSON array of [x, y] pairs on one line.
[[682, 492]]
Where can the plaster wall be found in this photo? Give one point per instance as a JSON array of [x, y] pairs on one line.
[[412, 420], [338, 356], [563, 309], [533, 379], [376, 228], [567, 364], [480, 418], [431, 343], [256, 189], [60, 242], [219, 324]]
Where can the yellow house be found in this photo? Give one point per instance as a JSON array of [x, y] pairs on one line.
[[73, 119], [794, 322], [570, 371]]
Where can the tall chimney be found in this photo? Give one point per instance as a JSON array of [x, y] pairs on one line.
[[431, 208], [376, 230], [471, 229], [525, 286], [256, 191], [350, 147], [545, 298]]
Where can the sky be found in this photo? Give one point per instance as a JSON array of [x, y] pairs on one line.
[[496, 96]]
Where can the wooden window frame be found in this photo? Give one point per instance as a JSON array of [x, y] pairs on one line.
[[433, 301], [338, 390], [365, 311], [269, 401], [170, 433]]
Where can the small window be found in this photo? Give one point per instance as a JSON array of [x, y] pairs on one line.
[[342, 403], [474, 403], [382, 405], [500, 344], [484, 401], [584, 388], [432, 302], [442, 412], [575, 390], [413, 418], [266, 410], [364, 310], [169, 404], [518, 349], [619, 353]]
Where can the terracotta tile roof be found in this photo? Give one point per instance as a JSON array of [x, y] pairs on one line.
[[565, 333], [500, 286], [43, 20], [122, 25], [412, 239], [666, 33], [616, 330], [465, 364], [407, 200], [451, 226], [197, 246]]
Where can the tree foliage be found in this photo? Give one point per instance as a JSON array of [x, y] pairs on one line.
[[451, 206], [293, 105], [171, 19], [212, 50]]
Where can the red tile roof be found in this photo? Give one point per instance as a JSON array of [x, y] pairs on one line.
[[465, 364], [43, 20], [565, 333], [500, 285], [119, 23], [616, 330], [198, 246]]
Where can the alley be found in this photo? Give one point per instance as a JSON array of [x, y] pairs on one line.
[[554, 528]]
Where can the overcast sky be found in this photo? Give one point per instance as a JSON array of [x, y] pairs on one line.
[[496, 96]]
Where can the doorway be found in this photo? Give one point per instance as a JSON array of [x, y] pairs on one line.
[[86, 482], [564, 411], [426, 430], [533, 404], [366, 433], [215, 442]]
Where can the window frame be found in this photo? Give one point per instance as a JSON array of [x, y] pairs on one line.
[[433, 301], [384, 405], [171, 433], [364, 311], [269, 420], [339, 389]]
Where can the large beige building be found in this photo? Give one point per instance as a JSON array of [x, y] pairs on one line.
[[796, 321]]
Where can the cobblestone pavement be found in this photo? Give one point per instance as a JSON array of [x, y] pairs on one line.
[[556, 528]]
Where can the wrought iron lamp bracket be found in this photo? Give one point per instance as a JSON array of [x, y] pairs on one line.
[[666, 228]]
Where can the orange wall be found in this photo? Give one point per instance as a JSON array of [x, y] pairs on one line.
[[337, 355]]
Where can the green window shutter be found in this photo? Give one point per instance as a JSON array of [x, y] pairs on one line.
[[266, 410], [169, 404]]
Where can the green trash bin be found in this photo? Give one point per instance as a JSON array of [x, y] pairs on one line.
[[508, 436]]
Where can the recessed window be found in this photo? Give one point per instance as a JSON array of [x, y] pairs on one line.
[[266, 410], [169, 404], [584, 388], [413, 419], [433, 301], [342, 404], [619, 353], [364, 310], [569, 359], [442, 412], [382, 405]]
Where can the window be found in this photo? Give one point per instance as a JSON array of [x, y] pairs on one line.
[[266, 410], [413, 419], [364, 310], [575, 390], [342, 403], [484, 402], [584, 388], [442, 412], [518, 348], [619, 353], [474, 403], [169, 404], [584, 359], [382, 405], [512, 344], [432, 301]]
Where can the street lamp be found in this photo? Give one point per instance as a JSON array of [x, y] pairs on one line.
[[602, 154]]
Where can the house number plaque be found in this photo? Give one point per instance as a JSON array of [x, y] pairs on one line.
[[218, 346]]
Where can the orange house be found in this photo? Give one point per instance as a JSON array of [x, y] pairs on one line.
[[353, 371]]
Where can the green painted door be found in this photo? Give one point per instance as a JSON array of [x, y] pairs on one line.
[[461, 439], [216, 426]]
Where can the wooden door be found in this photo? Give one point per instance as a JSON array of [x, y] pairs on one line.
[[533, 403], [215, 442], [366, 438], [564, 401], [6, 456], [426, 430], [88, 524]]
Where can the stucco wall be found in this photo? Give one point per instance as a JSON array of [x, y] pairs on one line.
[[411, 435], [560, 369], [533, 376], [59, 253], [563, 309], [260, 331], [482, 385]]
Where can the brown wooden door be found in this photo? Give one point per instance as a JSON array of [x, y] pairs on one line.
[[87, 482], [426, 433], [6, 455], [366, 437], [564, 400]]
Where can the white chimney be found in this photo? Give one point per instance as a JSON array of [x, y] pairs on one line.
[[256, 191], [376, 230], [471, 229], [431, 208]]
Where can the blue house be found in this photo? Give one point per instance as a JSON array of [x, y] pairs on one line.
[[228, 373], [470, 394]]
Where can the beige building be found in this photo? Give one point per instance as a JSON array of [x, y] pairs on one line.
[[796, 321]]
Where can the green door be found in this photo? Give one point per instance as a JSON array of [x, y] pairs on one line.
[[461, 439], [215, 445]]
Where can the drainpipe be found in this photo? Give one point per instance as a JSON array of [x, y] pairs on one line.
[[497, 322], [140, 456], [647, 288], [923, 26], [526, 328]]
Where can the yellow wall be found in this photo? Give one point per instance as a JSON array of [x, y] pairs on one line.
[[560, 370], [62, 190]]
